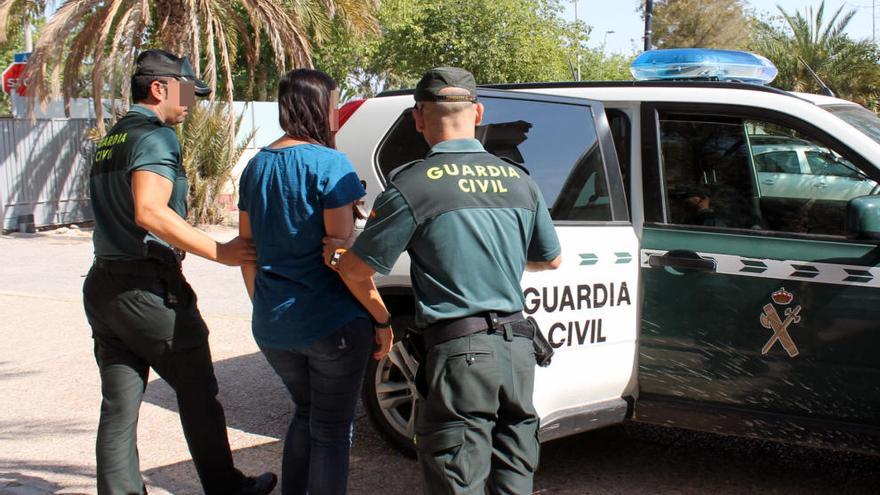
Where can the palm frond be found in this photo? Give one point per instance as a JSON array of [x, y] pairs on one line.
[[115, 58], [5, 11], [49, 49], [208, 158], [98, 75], [287, 39]]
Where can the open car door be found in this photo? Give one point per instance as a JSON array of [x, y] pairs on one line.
[[587, 308]]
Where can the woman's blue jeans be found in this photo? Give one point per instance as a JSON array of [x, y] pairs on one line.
[[324, 381]]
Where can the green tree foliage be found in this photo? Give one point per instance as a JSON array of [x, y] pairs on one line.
[[7, 52], [14, 13], [14, 44], [349, 60], [851, 68], [498, 40], [599, 66], [700, 24]]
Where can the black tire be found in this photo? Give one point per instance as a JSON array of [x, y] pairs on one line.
[[389, 394]]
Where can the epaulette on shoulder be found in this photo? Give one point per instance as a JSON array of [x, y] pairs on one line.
[[515, 163], [394, 173]]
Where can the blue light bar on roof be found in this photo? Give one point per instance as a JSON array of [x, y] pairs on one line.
[[703, 63]]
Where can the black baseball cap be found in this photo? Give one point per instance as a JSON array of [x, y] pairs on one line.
[[439, 78], [164, 64]]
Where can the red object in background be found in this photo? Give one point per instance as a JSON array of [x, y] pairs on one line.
[[346, 111], [11, 76]]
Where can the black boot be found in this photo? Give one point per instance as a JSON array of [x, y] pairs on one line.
[[258, 485]]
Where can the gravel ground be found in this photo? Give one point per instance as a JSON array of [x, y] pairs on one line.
[[50, 390]]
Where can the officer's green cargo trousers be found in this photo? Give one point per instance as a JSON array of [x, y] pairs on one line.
[[477, 428], [135, 329]]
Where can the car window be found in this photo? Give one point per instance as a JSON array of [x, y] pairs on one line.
[[557, 142], [733, 173], [777, 161], [813, 202], [621, 133], [707, 172], [824, 162]]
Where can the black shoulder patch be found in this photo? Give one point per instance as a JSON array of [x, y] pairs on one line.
[[515, 163], [393, 173]]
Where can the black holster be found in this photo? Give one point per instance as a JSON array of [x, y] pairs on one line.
[[543, 349], [169, 269]]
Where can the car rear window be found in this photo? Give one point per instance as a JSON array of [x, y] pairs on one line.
[[557, 142]]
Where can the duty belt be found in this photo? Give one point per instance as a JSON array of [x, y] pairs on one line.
[[136, 268], [490, 322], [162, 263]]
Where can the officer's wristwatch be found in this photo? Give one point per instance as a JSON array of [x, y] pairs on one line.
[[334, 259], [382, 324]]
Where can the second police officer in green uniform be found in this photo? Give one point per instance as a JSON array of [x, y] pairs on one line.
[[142, 311], [471, 223]]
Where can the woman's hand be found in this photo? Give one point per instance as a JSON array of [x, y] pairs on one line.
[[384, 339]]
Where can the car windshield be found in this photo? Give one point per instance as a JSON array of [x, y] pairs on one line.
[[859, 117]]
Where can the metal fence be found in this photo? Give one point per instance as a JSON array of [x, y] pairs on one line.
[[44, 165], [44, 171]]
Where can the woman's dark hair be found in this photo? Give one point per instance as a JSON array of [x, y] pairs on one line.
[[304, 105]]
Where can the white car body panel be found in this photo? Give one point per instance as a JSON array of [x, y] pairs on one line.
[[600, 353], [594, 373], [596, 345]]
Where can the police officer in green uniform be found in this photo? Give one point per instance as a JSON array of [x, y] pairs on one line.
[[471, 223], [142, 312]]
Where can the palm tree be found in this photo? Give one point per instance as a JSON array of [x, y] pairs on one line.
[[25, 11], [104, 36], [849, 67]]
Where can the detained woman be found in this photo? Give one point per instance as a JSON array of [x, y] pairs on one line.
[[316, 332]]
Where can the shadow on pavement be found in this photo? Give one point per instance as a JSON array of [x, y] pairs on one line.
[[670, 460], [375, 467], [252, 395], [24, 428], [623, 459], [9, 372], [256, 402], [14, 482]]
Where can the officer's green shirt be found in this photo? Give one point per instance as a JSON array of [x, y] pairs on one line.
[[139, 141], [469, 221]]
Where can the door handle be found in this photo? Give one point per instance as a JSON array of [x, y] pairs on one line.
[[769, 182], [820, 185], [686, 260]]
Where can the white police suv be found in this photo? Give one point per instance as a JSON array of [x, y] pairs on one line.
[[721, 268]]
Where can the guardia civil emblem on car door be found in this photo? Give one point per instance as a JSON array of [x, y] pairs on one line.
[[771, 320]]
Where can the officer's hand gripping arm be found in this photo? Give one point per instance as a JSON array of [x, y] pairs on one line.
[[151, 193], [339, 224]]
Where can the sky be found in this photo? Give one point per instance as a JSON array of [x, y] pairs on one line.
[[620, 26]]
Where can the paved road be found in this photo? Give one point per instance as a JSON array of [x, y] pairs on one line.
[[50, 397]]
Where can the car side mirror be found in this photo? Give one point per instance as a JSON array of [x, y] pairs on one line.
[[863, 218]]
